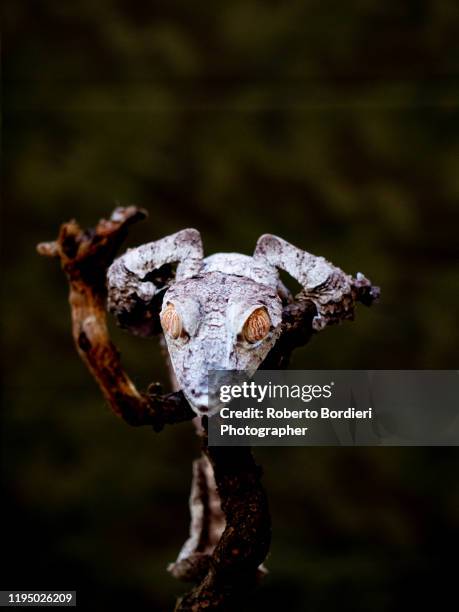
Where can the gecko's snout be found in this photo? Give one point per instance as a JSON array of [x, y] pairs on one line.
[[204, 403], [199, 401]]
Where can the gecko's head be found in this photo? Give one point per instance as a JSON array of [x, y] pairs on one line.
[[217, 321], [223, 312]]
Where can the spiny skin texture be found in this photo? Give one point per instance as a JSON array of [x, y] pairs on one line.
[[208, 303]]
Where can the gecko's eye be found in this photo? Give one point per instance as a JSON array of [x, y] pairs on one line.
[[172, 322], [257, 326]]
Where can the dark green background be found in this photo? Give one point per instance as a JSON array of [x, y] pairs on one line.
[[331, 124]]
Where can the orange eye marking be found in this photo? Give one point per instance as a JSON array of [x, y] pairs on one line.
[[257, 325], [172, 322]]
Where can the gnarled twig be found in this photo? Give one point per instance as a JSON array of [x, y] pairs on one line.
[[85, 256], [225, 551], [233, 568]]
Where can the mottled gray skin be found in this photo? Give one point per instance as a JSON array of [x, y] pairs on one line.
[[216, 295], [214, 307]]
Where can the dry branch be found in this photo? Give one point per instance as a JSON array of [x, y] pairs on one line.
[[84, 257], [225, 565]]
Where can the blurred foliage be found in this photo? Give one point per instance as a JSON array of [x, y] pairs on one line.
[[333, 125]]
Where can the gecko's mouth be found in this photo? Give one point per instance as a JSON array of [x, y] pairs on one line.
[[205, 404], [208, 397]]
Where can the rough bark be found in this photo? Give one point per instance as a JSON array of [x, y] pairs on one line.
[[84, 257], [233, 568]]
